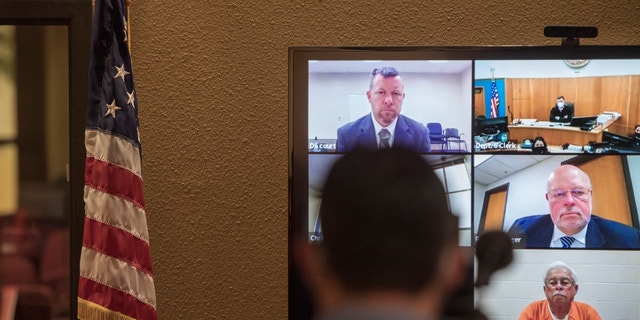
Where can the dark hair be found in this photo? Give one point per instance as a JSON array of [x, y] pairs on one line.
[[560, 97], [542, 149], [385, 220], [385, 72], [540, 138]]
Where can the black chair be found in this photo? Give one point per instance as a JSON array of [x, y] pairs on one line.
[[436, 136], [452, 138]]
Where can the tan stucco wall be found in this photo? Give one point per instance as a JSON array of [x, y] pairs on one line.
[[211, 80]]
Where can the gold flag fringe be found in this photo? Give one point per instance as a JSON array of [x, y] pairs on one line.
[[90, 311]]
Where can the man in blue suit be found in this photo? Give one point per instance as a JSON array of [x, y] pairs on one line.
[[384, 127], [571, 223]]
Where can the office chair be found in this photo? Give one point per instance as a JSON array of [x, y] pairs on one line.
[[436, 136], [452, 137]]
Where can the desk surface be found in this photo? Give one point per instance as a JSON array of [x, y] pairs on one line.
[[562, 126], [520, 149], [558, 133]]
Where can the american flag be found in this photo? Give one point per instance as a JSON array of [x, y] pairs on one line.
[[116, 279], [495, 99]]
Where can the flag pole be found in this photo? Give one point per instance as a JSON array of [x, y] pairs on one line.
[[128, 2]]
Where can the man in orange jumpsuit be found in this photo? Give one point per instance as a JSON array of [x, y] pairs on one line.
[[560, 287]]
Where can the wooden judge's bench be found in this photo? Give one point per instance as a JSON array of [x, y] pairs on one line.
[[558, 134]]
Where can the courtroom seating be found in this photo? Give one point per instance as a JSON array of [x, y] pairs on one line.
[[23, 297], [436, 136], [34, 302], [54, 268], [17, 270]]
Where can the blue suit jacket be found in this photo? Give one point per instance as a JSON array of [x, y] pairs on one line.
[[536, 232], [410, 134]]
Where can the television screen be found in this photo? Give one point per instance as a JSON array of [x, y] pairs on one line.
[[500, 100]]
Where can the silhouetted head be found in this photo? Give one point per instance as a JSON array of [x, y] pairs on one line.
[[385, 221]]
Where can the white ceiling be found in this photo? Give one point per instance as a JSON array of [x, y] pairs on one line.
[[403, 66], [321, 163], [489, 168]]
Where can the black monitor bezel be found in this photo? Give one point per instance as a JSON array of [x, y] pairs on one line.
[[298, 95]]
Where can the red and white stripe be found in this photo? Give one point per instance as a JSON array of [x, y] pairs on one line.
[[115, 263]]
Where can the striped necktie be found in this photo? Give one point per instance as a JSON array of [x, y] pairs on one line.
[[384, 139], [567, 241]]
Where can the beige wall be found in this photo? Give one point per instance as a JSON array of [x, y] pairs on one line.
[[211, 78]]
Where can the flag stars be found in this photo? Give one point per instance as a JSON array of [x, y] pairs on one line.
[[121, 72], [132, 98], [112, 108]]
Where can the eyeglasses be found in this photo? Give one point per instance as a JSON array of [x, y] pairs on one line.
[[564, 282], [576, 193]]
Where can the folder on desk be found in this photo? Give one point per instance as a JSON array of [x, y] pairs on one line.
[[604, 117]]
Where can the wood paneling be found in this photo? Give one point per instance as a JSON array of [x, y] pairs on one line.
[[610, 199], [494, 217], [479, 107], [533, 98], [559, 135], [493, 209], [555, 136]]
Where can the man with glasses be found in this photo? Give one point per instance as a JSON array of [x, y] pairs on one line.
[[560, 287], [571, 223]]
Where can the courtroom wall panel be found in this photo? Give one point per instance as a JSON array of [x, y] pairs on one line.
[[533, 98], [610, 196]]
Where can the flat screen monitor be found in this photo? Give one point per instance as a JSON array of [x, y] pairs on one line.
[[584, 121], [490, 133], [616, 141], [489, 189]]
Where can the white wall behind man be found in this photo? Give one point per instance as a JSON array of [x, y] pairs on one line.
[[608, 280], [441, 97]]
